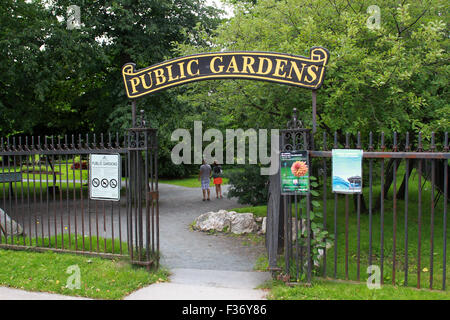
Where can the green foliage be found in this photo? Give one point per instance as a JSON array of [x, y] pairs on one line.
[[321, 239], [168, 170], [56, 80], [248, 185], [391, 78]]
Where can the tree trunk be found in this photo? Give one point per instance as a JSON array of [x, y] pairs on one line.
[[363, 203], [401, 191], [389, 177]]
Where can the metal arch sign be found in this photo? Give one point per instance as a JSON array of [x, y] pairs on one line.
[[265, 66]]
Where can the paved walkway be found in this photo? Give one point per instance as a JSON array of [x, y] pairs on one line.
[[203, 266], [182, 248]]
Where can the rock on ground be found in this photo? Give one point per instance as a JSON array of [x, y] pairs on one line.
[[222, 220], [9, 226]]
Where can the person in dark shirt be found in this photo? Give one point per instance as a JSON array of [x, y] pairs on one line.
[[217, 176]]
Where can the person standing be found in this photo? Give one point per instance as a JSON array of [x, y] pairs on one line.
[[217, 176], [204, 176]]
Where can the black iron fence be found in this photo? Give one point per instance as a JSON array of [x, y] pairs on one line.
[[45, 202], [397, 225]]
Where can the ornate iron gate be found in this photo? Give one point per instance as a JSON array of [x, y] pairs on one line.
[[397, 228], [50, 200]]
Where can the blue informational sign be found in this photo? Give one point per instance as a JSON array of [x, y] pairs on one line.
[[347, 170]]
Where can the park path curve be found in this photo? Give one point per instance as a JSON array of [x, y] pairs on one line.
[[184, 248]]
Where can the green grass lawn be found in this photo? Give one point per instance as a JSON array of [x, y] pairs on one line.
[[413, 239], [72, 243], [258, 211], [190, 182], [321, 289], [100, 278]]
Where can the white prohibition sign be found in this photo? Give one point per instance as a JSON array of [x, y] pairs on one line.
[[104, 176]]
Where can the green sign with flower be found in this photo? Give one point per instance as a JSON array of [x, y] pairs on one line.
[[294, 172]]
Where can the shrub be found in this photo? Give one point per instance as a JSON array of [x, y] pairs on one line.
[[248, 185]]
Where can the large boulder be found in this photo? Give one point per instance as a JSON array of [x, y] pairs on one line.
[[223, 220], [243, 223], [217, 221], [11, 227]]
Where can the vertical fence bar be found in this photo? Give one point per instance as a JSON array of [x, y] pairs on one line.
[[444, 258], [382, 212], [138, 198], [88, 168], [433, 181], [324, 203], [419, 212], [152, 172], [335, 146], [22, 199], [102, 146], [394, 209], [286, 236], [290, 244], [308, 210], [296, 239], [52, 166], [60, 194], [80, 143], [15, 191], [347, 146], [370, 199], [10, 191], [129, 201], [47, 195], [309, 235], [5, 229], [147, 198], [97, 233], [358, 223], [41, 197], [156, 185], [120, 189], [35, 202], [74, 194], [112, 202], [30, 214], [69, 218], [406, 179]]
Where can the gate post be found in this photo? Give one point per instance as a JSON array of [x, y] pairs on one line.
[[143, 207], [279, 224]]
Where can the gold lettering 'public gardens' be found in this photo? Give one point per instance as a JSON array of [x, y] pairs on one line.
[[266, 66]]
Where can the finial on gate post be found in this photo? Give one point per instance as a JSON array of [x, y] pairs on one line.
[[294, 123], [142, 123], [294, 115]]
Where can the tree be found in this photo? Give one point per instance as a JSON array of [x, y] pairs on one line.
[[394, 78], [57, 80]]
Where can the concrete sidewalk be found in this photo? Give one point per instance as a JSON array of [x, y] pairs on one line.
[[185, 284], [16, 294], [197, 284]]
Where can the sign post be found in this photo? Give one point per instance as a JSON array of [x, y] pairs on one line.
[[104, 177]]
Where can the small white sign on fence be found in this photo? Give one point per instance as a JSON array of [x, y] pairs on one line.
[[104, 177]]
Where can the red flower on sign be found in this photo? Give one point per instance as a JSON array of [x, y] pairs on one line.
[[299, 168]]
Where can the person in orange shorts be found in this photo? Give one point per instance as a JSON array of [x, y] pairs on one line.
[[217, 176]]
